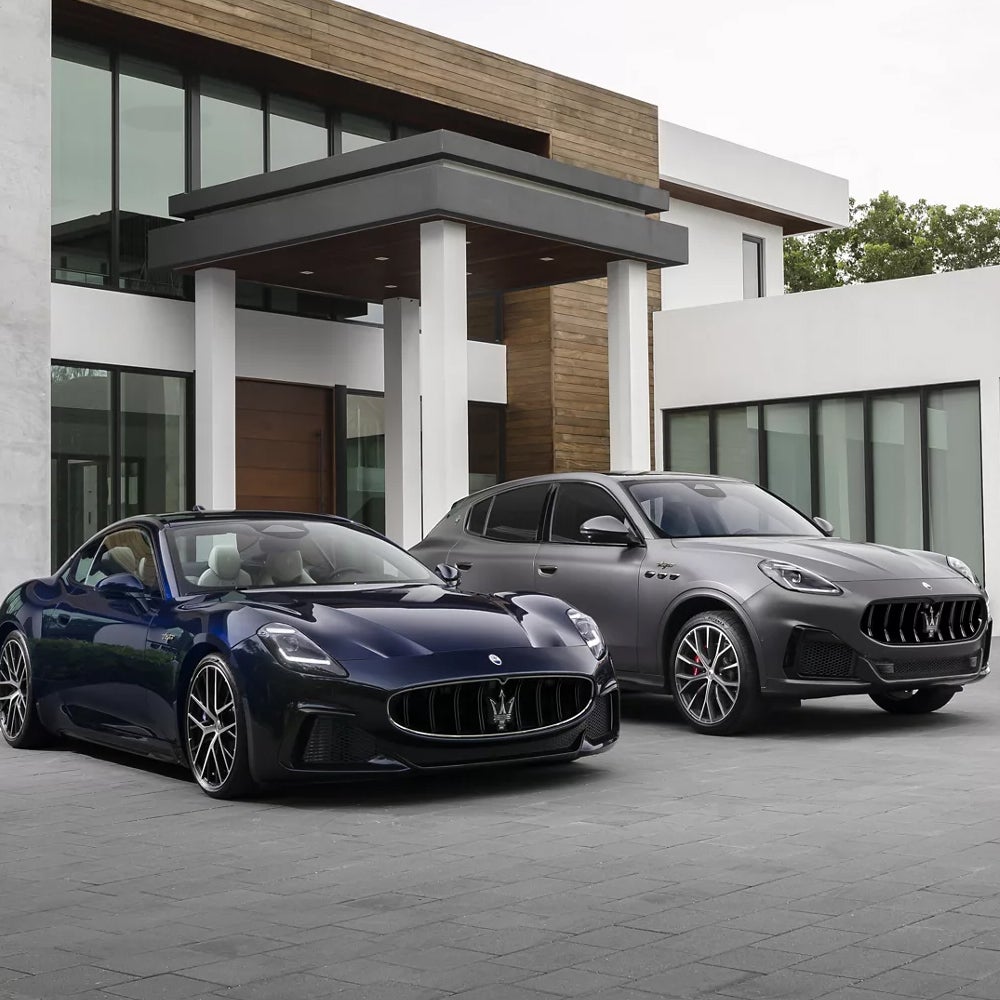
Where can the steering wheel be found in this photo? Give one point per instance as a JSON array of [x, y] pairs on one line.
[[340, 572]]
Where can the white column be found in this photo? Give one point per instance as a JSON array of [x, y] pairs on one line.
[[215, 388], [25, 260], [628, 365], [401, 364], [445, 390]]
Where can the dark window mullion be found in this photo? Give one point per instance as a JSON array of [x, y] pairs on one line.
[[814, 455], [114, 263], [337, 137], [265, 104], [713, 461], [192, 129], [869, 451], [925, 470], [761, 447], [117, 459], [665, 415]]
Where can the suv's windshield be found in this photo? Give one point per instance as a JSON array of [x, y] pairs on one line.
[[704, 508], [236, 554]]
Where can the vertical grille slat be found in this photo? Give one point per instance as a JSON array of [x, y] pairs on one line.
[[924, 621]]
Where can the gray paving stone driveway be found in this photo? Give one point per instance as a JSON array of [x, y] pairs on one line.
[[840, 853]]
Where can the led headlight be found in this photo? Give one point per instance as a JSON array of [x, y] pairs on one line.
[[589, 632], [963, 569], [793, 577], [291, 648]]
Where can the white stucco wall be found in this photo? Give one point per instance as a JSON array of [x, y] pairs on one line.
[[893, 334], [714, 272]]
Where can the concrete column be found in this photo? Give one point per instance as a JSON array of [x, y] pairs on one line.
[[25, 255], [989, 415], [628, 365], [443, 343], [215, 388], [401, 362]]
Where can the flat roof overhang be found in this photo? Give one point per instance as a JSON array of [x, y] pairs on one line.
[[335, 217]]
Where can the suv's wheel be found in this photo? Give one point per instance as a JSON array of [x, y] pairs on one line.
[[914, 702], [713, 674], [18, 717], [215, 731]]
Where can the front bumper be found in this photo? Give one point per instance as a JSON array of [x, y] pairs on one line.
[[812, 646]]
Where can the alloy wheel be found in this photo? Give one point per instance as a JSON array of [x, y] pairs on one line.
[[13, 688], [212, 731], [707, 674]]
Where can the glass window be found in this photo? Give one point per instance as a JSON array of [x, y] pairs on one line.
[[753, 267], [232, 132], [297, 132], [366, 460], [360, 131], [81, 163], [955, 494], [841, 465], [516, 514], [577, 503], [476, 523], [736, 443], [896, 470], [485, 445], [126, 551], [484, 318], [81, 456], [786, 426], [154, 446], [688, 442]]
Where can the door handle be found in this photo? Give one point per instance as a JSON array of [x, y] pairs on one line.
[[547, 570], [464, 565]]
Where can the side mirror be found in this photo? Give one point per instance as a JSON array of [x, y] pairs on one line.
[[824, 525], [448, 573], [121, 585], [607, 529]]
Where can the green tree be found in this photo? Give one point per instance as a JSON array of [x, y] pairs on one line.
[[889, 239]]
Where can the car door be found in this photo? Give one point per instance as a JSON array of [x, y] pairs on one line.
[[92, 645], [601, 579], [496, 550]]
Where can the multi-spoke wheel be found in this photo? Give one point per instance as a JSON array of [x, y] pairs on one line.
[[215, 732], [18, 718], [912, 701], [713, 676]]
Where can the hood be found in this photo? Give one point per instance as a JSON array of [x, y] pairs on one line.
[[405, 621], [837, 559]]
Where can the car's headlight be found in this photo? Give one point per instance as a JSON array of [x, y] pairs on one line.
[[290, 647], [589, 632], [793, 577], [963, 569]]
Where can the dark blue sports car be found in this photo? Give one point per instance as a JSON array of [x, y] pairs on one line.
[[262, 647]]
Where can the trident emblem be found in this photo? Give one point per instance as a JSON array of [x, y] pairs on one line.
[[502, 710], [931, 620]]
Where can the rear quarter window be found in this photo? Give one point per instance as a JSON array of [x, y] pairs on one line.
[[516, 515], [476, 523]]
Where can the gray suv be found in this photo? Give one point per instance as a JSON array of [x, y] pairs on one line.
[[724, 594]]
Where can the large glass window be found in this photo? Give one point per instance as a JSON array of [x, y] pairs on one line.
[[81, 163], [786, 426], [955, 496], [736, 452], [486, 435], [360, 131], [297, 132], [840, 438], [366, 460], [896, 476], [232, 131], [688, 442]]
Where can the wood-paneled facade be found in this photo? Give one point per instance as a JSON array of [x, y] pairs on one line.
[[556, 338]]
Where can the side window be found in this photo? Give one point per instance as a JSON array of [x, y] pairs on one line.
[[476, 524], [577, 503], [516, 514], [125, 551], [81, 567]]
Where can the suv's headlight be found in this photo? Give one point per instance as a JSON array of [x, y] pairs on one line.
[[963, 569], [589, 632], [290, 647], [793, 577]]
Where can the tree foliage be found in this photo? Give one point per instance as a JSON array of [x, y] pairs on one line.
[[889, 239]]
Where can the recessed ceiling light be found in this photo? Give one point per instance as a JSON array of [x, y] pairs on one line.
[[467, 273], [546, 258], [307, 272], [382, 258], [390, 286]]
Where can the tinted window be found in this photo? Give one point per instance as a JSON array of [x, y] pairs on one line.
[[125, 551], [476, 524], [577, 503], [516, 514]]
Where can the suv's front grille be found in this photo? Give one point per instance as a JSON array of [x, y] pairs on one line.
[[921, 620], [474, 709], [907, 670]]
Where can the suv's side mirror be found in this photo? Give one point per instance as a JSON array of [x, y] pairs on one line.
[[448, 573], [608, 530], [824, 525], [121, 585]]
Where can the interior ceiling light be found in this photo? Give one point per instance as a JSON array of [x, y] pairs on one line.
[[390, 286], [307, 272], [546, 258], [382, 258]]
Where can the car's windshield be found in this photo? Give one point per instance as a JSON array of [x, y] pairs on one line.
[[284, 552], [705, 508]]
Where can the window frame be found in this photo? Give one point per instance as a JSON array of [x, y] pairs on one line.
[[553, 500], [542, 517], [100, 541], [758, 243]]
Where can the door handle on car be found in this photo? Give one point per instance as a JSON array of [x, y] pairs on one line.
[[547, 570], [464, 565]]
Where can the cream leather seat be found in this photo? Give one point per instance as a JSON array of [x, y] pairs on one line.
[[284, 568], [225, 569]]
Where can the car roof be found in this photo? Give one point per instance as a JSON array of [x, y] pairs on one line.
[[208, 516]]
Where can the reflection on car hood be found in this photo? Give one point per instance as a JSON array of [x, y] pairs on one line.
[[837, 559], [405, 621]]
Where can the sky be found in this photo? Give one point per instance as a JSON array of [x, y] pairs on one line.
[[898, 95]]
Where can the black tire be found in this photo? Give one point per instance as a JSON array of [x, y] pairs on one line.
[[215, 731], [18, 713], [913, 702], [696, 686]]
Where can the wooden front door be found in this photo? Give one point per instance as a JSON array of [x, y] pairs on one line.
[[284, 447]]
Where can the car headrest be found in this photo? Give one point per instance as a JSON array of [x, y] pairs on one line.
[[285, 566], [120, 559], [225, 562]]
